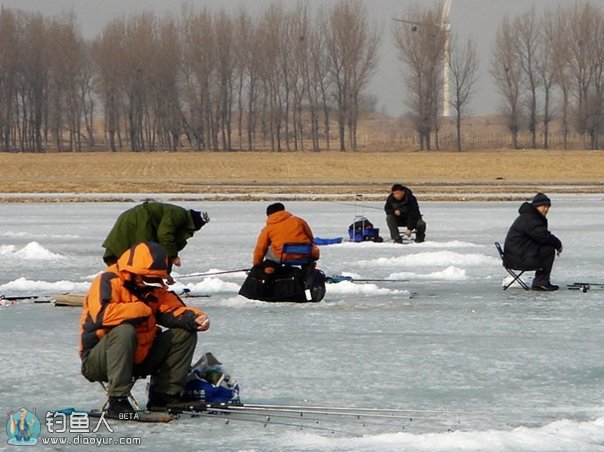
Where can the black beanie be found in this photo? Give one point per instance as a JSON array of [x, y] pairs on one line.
[[197, 220], [397, 187], [541, 200], [276, 207]]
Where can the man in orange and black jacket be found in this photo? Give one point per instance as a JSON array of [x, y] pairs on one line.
[[120, 334]]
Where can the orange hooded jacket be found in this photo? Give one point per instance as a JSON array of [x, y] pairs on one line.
[[110, 303], [282, 227]]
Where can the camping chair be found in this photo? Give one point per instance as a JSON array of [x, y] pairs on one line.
[[131, 398], [401, 233], [515, 272], [296, 254]]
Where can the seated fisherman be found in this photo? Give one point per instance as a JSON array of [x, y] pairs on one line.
[[120, 334], [529, 244], [402, 210], [281, 227]]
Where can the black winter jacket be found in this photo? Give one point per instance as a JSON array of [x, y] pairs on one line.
[[525, 237], [409, 208]]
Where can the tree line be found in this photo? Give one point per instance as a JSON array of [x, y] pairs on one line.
[[213, 81], [552, 67], [289, 79], [546, 67]]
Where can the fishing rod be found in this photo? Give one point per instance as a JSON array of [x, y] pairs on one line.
[[283, 415], [265, 422], [193, 275], [352, 415], [359, 205], [341, 408], [403, 412], [36, 298], [588, 284], [294, 417], [340, 278], [186, 293]]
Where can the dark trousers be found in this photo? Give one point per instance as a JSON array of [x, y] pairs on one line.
[[168, 361], [545, 261], [394, 222]]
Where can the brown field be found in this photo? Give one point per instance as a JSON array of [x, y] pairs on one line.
[[495, 174]]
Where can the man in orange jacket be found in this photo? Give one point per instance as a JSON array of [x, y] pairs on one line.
[[120, 336], [281, 227]]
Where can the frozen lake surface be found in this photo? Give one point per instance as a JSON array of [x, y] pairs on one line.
[[478, 368]]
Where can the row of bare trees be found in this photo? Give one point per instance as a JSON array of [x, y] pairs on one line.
[[552, 67], [283, 80], [45, 83], [205, 81], [433, 59], [546, 68]]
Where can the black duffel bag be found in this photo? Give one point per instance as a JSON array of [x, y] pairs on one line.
[[284, 284]]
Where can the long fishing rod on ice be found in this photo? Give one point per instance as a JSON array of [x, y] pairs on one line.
[[193, 275]]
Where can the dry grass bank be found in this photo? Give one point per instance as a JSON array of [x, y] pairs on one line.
[[501, 171]]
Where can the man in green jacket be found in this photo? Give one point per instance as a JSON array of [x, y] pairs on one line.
[[169, 225]]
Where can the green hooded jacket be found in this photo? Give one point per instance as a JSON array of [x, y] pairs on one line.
[[169, 225]]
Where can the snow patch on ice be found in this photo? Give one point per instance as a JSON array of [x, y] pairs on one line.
[[208, 285], [435, 259], [31, 251], [564, 434], [348, 287], [411, 244], [27, 285], [451, 273]]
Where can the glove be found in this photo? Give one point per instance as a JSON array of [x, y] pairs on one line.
[[205, 217]]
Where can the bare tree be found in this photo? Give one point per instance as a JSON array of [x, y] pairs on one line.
[[463, 68], [68, 67], [9, 54], [508, 74], [552, 65], [584, 34], [224, 37], [352, 49], [421, 47], [33, 83], [107, 54], [557, 59], [199, 57], [300, 28], [242, 44], [526, 42]]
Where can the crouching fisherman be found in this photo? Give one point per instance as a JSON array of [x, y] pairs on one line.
[[120, 336]]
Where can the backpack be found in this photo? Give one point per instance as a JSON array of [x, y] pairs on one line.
[[207, 381], [362, 230]]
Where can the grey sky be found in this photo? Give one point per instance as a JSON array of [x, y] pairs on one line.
[[478, 19]]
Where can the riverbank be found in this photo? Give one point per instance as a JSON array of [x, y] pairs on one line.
[[485, 175]]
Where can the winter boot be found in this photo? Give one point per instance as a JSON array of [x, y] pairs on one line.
[[547, 287], [120, 408], [163, 402]]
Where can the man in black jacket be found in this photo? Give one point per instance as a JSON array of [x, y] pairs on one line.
[[529, 245], [402, 210]]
